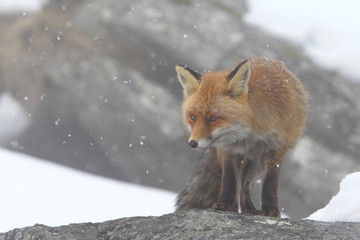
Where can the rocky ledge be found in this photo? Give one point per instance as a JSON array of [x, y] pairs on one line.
[[193, 225]]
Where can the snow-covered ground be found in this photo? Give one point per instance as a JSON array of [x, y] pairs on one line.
[[326, 29], [37, 191], [345, 206]]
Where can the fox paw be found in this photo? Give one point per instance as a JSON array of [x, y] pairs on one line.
[[270, 212], [223, 206]]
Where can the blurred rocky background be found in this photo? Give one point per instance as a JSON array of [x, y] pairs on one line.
[[98, 85]]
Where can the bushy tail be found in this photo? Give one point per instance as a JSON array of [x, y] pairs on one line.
[[203, 188]]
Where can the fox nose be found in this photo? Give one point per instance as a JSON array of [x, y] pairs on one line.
[[193, 143]]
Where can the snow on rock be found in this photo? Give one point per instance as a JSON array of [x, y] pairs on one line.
[[36, 191], [345, 206], [21, 5], [13, 119]]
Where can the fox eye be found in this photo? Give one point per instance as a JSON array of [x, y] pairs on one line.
[[213, 119], [192, 118]]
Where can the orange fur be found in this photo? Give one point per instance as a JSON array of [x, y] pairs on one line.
[[255, 110], [276, 101]]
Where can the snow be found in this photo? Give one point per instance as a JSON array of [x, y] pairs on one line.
[[345, 206], [36, 191], [21, 5], [13, 116], [327, 30]]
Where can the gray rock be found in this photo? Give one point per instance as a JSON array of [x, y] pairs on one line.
[[192, 225]]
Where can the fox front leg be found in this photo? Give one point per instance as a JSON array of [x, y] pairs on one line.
[[249, 173], [227, 200], [270, 190]]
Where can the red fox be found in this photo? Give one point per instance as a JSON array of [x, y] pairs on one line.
[[244, 119]]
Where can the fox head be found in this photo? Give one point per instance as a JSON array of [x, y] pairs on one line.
[[215, 109]]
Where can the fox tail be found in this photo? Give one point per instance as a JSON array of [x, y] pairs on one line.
[[202, 190]]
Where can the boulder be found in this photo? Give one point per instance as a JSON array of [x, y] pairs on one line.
[[192, 225]]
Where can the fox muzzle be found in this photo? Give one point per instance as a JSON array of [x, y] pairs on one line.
[[193, 144]]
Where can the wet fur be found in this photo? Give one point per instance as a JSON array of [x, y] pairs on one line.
[[264, 110]]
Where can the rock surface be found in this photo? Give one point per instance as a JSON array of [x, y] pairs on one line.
[[192, 225], [97, 80]]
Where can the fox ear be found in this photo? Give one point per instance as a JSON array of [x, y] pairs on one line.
[[188, 78], [239, 78]]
